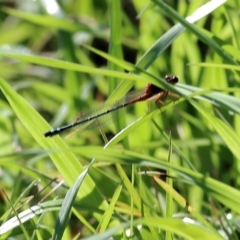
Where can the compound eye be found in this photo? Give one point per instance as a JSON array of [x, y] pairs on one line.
[[172, 79]]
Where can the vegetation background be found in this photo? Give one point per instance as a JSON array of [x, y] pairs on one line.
[[168, 173]]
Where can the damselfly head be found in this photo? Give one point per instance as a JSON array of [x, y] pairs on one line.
[[171, 79]]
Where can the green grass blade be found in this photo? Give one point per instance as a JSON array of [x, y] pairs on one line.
[[65, 161], [65, 211]]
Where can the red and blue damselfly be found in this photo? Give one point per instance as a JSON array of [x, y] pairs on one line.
[[149, 93]]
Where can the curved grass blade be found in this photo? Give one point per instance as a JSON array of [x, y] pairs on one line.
[[65, 211], [64, 160], [225, 194]]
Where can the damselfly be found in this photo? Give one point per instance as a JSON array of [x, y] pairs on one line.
[[149, 93]]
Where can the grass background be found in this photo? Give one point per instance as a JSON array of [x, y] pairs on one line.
[[49, 74]]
